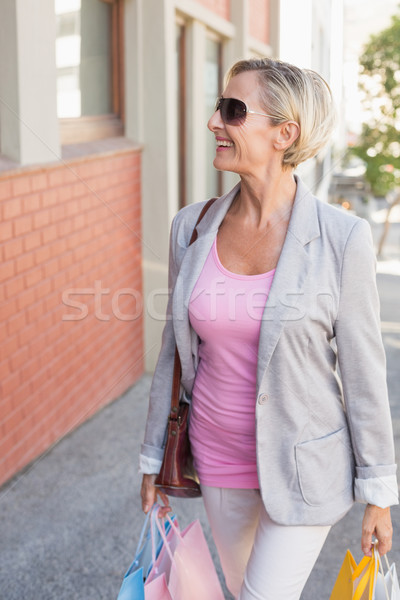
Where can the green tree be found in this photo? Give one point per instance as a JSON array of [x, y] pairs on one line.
[[379, 144]]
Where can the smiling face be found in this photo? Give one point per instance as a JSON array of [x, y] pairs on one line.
[[247, 148]]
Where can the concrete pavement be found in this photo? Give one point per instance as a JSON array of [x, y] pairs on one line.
[[69, 523]]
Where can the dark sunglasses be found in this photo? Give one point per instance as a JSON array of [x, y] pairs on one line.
[[234, 112]]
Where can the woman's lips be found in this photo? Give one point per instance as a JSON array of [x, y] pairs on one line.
[[223, 143]]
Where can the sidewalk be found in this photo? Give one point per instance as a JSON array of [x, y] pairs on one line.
[[69, 524]]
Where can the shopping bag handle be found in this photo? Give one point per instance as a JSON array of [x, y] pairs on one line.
[[156, 521], [141, 539], [371, 566], [383, 576]]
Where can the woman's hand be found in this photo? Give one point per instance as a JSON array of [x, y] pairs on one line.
[[149, 493], [376, 522]]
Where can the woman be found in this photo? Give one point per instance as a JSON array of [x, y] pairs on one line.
[[277, 294]]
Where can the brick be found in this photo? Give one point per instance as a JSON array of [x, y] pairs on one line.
[[12, 208], [9, 345], [5, 371], [33, 277], [86, 170], [30, 367], [19, 358], [55, 177], [11, 422], [49, 234], [9, 309], [6, 231], [38, 381], [50, 268], [65, 193], [5, 189], [10, 384], [16, 323], [24, 262], [33, 313], [57, 213], [31, 203], [32, 240], [52, 302], [20, 455], [65, 227], [13, 248], [58, 247], [79, 221], [42, 254], [21, 185], [41, 218], [78, 189], [72, 208], [22, 225], [14, 286], [39, 181], [25, 298], [7, 270], [6, 444], [66, 260], [49, 197], [42, 289]]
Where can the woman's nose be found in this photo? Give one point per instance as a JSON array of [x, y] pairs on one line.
[[215, 122]]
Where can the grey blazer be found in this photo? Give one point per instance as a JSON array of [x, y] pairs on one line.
[[323, 440]]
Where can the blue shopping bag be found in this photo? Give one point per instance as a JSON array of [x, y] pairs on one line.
[[149, 546]]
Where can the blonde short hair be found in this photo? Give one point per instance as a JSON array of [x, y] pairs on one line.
[[293, 94]]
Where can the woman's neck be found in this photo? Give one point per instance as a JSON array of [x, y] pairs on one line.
[[266, 200]]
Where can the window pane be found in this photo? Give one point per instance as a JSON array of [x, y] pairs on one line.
[[83, 58], [211, 84]]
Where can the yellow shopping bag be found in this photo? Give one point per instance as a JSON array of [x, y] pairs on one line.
[[356, 582]]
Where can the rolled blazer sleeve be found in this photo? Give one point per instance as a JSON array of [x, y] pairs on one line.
[[362, 366], [152, 449]]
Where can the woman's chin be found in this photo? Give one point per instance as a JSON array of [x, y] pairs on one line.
[[222, 164]]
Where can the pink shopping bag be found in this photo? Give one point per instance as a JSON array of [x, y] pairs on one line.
[[192, 574], [157, 589]]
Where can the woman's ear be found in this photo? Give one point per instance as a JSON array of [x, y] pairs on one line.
[[287, 134]]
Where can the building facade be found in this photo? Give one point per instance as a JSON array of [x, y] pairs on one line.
[[103, 137]]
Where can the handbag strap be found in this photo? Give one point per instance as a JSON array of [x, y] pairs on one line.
[[176, 380]]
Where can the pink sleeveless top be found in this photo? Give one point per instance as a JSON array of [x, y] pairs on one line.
[[225, 310]]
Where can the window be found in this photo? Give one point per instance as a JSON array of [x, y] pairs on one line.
[[89, 69], [212, 85]]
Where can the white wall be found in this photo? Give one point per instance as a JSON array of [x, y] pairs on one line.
[[28, 107]]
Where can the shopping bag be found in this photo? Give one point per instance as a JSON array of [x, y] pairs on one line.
[[148, 548], [157, 589], [387, 584], [190, 571], [356, 582], [343, 588]]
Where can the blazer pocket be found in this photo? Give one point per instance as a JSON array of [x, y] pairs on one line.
[[325, 467]]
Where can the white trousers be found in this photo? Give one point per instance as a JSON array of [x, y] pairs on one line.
[[261, 560]]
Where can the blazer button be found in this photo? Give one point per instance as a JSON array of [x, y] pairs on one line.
[[262, 399]]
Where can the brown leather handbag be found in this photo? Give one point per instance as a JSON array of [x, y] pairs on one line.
[[177, 476]]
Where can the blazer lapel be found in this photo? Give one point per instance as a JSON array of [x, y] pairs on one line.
[[290, 277], [190, 269]]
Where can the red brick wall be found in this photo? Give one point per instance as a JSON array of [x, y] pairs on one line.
[[221, 7], [71, 227], [259, 20]]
